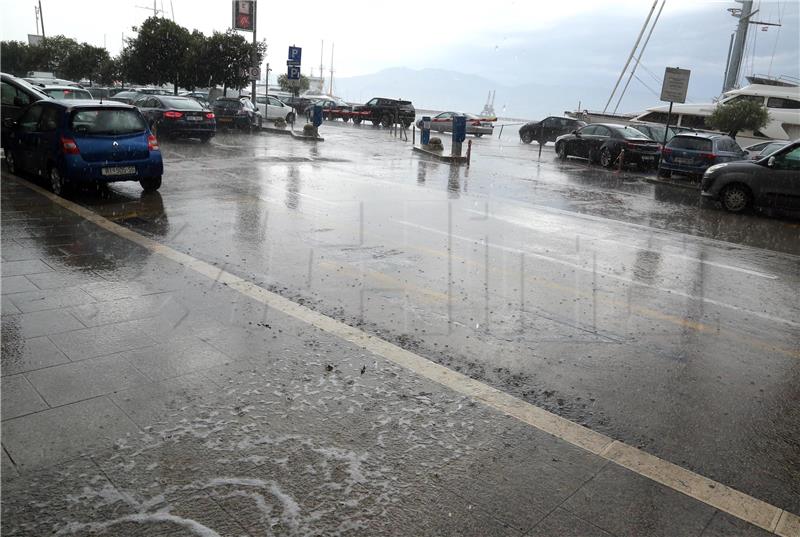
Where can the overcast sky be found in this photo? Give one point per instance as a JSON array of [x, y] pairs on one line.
[[514, 42]]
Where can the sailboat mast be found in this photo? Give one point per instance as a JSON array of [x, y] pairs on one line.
[[330, 92], [737, 52]]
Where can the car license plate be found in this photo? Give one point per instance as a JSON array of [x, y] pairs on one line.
[[224, 119], [684, 161], [648, 157], [119, 170], [194, 118]]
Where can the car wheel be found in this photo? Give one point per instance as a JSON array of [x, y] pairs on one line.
[[478, 134], [561, 150], [345, 119], [356, 121], [290, 117], [606, 160], [150, 184], [664, 173], [205, 139], [736, 198], [526, 137], [11, 163], [386, 121], [57, 183]]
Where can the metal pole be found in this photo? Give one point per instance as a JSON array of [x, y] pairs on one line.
[[41, 17], [254, 59], [630, 56], [738, 46], [728, 62], [639, 57], [666, 128]]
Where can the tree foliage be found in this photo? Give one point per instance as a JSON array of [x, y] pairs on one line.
[[294, 86], [161, 52], [738, 115]]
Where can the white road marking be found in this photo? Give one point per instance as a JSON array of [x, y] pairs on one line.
[[555, 260], [703, 489]]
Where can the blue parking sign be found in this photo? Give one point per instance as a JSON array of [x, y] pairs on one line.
[[294, 72], [295, 53]]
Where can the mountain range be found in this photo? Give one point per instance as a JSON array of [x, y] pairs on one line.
[[441, 89]]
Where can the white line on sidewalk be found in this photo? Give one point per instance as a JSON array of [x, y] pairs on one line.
[[703, 489]]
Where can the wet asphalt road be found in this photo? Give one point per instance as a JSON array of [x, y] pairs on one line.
[[617, 303]]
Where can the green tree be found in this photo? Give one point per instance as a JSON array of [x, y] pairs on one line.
[[295, 86], [228, 56], [158, 53], [737, 115], [16, 57], [85, 61], [52, 54], [196, 70]]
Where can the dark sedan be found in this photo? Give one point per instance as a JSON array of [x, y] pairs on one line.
[[177, 116], [605, 143], [127, 97], [237, 112], [773, 181], [548, 129]]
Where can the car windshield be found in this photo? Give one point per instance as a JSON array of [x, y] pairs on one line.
[[181, 104], [227, 105], [106, 121], [630, 133], [690, 143]]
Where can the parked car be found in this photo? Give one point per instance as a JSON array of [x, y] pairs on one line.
[[199, 96], [549, 128], [604, 143], [386, 112], [771, 181], [692, 153], [298, 103], [127, 96], [82, 141], [654, 132], [52, 81], [476, 125], [332, 108], [177, 116], [237, 112], [273, 108], [762, 149], [16, 95], [67, 92], [153, 91]]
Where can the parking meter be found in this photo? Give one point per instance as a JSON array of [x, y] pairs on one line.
[[425, 138], [459, 134], [316, 116]]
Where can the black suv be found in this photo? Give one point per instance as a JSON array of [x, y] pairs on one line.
[[385, 112], [548, 129], [237, 112]]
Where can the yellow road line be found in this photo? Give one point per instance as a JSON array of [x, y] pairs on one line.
[[703, 489]]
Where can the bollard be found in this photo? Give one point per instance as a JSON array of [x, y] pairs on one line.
[[469, 151], [425, 137], [413, 135], [621, 158], [459, 134]]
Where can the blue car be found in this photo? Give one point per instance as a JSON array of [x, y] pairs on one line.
[[69, 142], [693, 153]]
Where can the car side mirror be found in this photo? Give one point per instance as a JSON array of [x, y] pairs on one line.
[[771, 162]]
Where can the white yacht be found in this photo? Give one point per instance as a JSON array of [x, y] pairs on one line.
[[781, 97]]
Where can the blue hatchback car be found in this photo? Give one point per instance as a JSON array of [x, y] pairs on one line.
[[693, 153], [74, 141]]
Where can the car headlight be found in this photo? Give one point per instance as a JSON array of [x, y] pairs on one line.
[[715, 167]]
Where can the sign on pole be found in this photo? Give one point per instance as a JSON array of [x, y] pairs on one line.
[[295, 54], [294, 72], [676, 83], [255, 73], [244, 15]]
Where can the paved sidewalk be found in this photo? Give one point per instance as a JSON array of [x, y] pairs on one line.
[[142, 398]]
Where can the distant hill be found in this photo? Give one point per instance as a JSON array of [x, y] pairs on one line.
[[440, 89]]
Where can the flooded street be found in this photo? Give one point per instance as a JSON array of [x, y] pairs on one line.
[[604, 297]]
